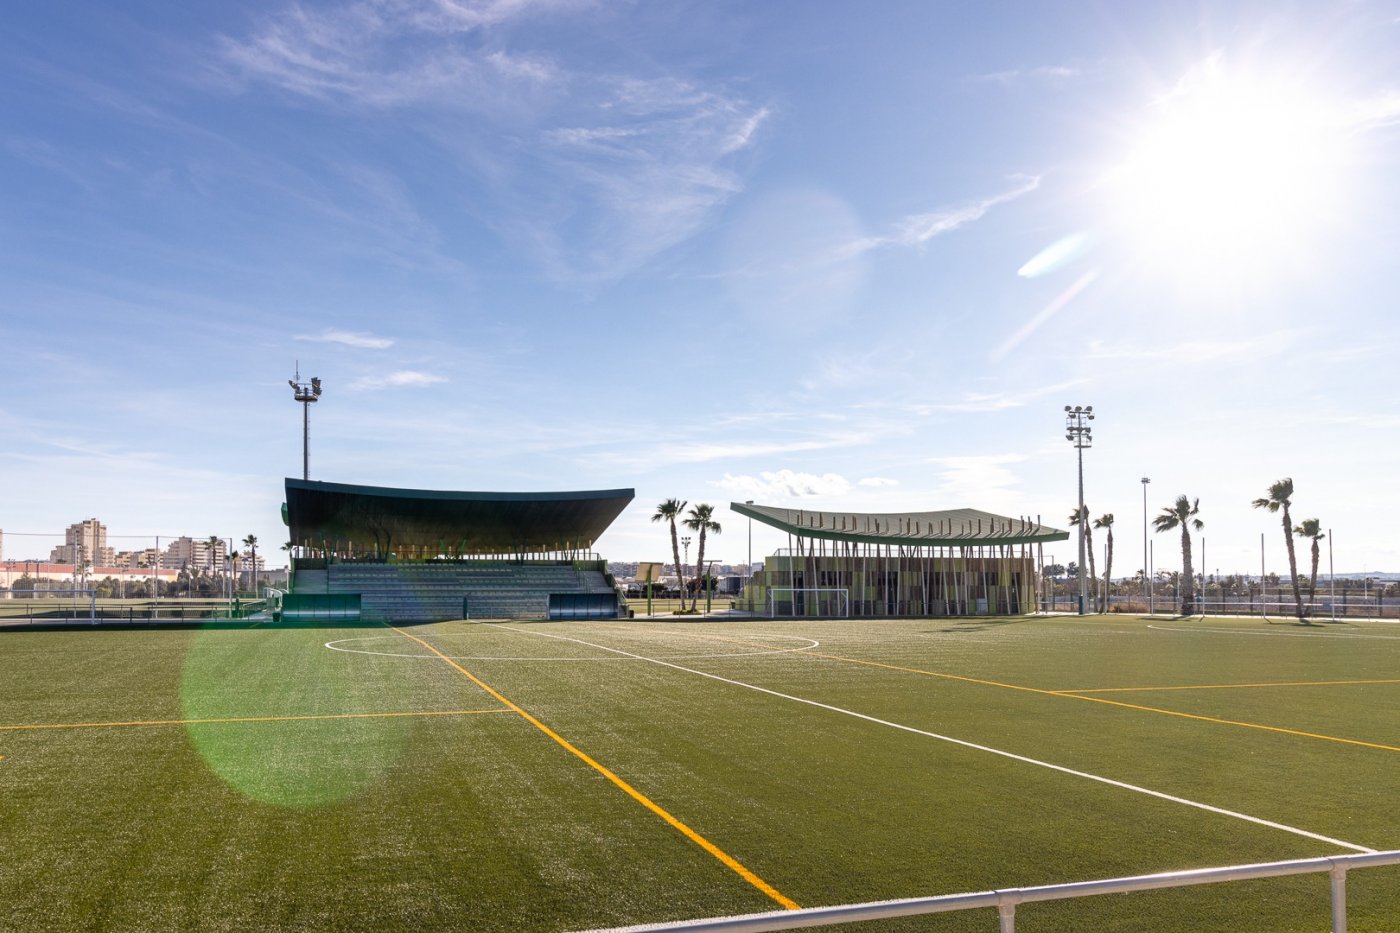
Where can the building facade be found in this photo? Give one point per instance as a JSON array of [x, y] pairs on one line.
[[958, 562]]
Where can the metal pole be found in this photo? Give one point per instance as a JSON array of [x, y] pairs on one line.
[[749, 572], [1263, 581], [1331, 576], [305, 440], [1146, 580], [1083, 520]]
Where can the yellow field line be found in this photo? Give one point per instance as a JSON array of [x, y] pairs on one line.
[[1107, 702], [1295, 683], [727, 860], [191, 722]]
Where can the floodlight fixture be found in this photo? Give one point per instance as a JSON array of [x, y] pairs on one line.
[[305, 393]]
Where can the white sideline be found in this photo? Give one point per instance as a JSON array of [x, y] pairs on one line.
[[965, 744]]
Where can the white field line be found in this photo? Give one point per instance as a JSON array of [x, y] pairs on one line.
[[1241, 631], [335, 646], [966, 744]]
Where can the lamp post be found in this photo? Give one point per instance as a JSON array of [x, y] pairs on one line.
[[1078, 432], [685, 562], [306, 393], [1146, 579]]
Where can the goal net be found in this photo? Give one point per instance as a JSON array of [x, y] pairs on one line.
[[827, 601]]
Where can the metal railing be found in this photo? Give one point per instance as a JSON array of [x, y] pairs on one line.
[[1006, 900]]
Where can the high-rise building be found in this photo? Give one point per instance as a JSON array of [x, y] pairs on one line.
[[195, 554], [84, 542]]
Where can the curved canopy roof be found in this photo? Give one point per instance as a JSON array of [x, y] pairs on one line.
[[382, 518], [950, 528]]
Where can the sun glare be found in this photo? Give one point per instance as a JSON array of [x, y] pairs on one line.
[[1232, 175]]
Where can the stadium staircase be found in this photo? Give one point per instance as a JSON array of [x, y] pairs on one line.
[[434, 590]]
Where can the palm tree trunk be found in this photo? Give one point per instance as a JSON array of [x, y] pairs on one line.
[[1089, 546], [1312, 585], [699, 572], [1293, 565], [1188, 583], [676, 556], [1107, 570]]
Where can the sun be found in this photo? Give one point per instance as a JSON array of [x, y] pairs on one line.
[[1229, 175]]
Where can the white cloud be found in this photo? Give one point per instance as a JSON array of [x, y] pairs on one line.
[[633, 164], [977, 481], [878, 481], [399, 379], [1043, 72], [785, 484], [349, 339], [917, 229]]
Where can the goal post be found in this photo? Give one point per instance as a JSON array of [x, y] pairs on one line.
[[795, 601]]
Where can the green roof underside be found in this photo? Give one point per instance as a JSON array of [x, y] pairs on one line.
[[950, 528], [321, 514]]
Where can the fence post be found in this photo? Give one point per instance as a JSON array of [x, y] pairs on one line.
[[1339, 898], [1006, 913]]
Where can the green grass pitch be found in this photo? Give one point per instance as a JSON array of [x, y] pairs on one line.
[[238, 778]]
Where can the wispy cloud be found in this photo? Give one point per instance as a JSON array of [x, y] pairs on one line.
[[590, 172], [878, 481], [1041, 73], [917, 229], [785, 484], [349, 339], [401, 379], [977, 479], [1198, 352], [995, 401]]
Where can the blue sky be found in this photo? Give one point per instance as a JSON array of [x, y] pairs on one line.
[[815, 254]]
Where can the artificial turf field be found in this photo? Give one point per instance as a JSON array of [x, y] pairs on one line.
[[554, 776]]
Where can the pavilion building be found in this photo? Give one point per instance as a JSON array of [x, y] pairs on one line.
[[958, 562]]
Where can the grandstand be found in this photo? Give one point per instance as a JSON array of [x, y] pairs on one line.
[[378, 554]]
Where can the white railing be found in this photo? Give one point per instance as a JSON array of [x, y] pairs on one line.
[[1005, 900]]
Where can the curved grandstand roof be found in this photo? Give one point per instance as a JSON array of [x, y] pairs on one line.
[[949, 528], [466, 522]]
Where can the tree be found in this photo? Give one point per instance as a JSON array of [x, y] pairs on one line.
[[702, 520], [1278, 500], [1312, 528], [669, 511], [251, 543], [235, 563], [1105, 521], [213, 543], [1182, 514], [1080, 517]]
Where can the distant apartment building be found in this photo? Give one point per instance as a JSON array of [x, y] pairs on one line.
[[84, 543], [195, 553]]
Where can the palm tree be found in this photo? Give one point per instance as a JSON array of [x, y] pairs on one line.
[[214, 544], [1182, 514], [1105, 521], [669, 511], [251, 542], [1078, 517], [702, 520], [1312, 528], [1278, 500], [235, 561]]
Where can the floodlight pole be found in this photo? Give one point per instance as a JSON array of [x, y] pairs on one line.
[[1078, 432], [1146, 580], [306, 393], [680, 571]]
